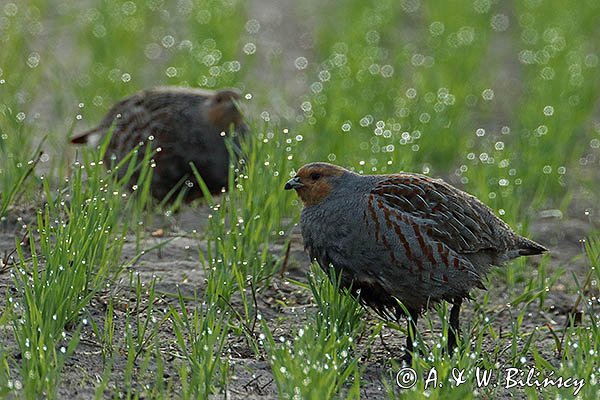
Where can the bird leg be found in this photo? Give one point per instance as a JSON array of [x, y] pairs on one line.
[[454, 329], [411, 334]]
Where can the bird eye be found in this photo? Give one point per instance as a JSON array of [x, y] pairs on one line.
[[315, 176]]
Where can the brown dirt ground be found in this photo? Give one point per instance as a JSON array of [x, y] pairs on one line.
[[286, 306]]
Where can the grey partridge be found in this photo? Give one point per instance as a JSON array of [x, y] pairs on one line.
[[402, 238], [183, 124]]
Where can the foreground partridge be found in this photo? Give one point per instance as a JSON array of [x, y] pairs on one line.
[[183, 124], [402, 238]]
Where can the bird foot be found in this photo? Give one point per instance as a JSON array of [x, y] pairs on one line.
[[406, 358]]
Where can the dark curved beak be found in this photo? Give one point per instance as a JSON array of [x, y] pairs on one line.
[[293, 183]]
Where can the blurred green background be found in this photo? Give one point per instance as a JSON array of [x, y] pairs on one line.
[[499, 97]]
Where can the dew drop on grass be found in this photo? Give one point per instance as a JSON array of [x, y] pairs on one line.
[[387, 71], [168, 41], [324, 75], [488, 94], [436, 28], [171, 72], [249, 48], [500, 22], [301, 63]]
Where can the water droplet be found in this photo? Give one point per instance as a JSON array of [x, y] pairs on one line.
[[168, 41], [436, 28], [10, 9], [324, 75], [33, 60], [488, 94], [547, 73], [541, 130], [152, 51], [252, 26], [301, 63], [387, 71], [249, 48], [500, 22], [171, 72], [129, 8]]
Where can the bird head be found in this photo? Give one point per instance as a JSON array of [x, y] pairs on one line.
[[314, 182], [224, 110]]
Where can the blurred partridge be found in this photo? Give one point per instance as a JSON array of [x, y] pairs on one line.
[[183, 124], [403, 237]]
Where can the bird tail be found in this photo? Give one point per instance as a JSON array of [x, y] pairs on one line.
[[529, 247], [86, 137]]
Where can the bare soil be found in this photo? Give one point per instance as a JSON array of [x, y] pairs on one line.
[[287, 306]]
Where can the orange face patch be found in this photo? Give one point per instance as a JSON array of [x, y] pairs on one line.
[[316, 181], [222, 111]]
